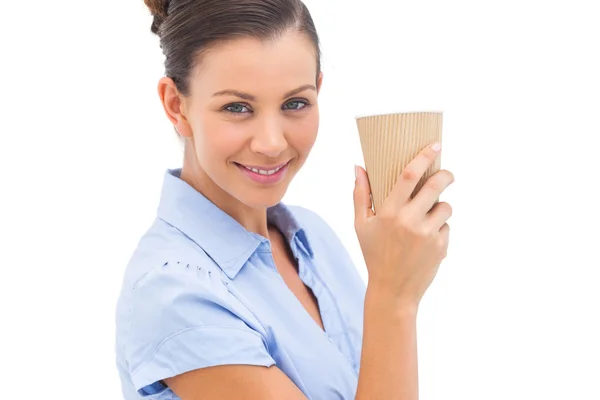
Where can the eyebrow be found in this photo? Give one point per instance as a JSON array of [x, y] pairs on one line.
[[249, 97]]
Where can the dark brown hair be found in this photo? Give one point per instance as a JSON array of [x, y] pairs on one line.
[[188, 28]]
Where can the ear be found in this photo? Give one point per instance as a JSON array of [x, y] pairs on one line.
[[174, 105], [319, 82]]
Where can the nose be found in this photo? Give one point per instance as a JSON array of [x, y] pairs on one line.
[[269, 139]]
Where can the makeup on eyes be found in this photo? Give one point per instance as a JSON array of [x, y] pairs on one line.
[[305, 105]]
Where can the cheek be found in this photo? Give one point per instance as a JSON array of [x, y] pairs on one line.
[[303, 132], [217, 139]]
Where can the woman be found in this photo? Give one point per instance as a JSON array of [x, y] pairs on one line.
[[233, 295]]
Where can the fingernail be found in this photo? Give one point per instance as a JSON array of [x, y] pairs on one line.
[[355, 172], [436, 147]]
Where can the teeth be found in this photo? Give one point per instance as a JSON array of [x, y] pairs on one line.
[[262, 171]]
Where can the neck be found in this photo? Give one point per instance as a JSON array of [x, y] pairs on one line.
[[253, 219]]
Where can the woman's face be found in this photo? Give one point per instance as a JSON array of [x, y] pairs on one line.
[[253, 115]]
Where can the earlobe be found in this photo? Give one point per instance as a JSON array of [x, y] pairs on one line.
[[183, 127]]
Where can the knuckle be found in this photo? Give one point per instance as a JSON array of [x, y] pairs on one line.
[[386, 215], [406, 220], [409, 174], [403, 225], [449, 176], [442, 249], [433, 183], [446, 208], [421, 232], [441, 243], [444, 177], [402, 222]]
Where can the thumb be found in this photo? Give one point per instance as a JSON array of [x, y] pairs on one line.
[[362, 197]]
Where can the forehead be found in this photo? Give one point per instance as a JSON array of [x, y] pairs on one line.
[[257, 66]]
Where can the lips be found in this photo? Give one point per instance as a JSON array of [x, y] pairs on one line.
[[264, 170], [264, 174]]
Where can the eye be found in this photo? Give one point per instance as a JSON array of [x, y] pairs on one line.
[[295, 104], [236, 108]]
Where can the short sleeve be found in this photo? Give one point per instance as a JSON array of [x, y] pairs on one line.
[[183, 318]]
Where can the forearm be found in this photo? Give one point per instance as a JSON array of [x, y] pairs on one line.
[[388, 367]]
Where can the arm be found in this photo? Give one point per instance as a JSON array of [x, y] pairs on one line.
[[388, 366], [403, 247], [232, 382]]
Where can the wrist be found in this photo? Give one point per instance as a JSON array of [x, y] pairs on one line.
[[384, 299]]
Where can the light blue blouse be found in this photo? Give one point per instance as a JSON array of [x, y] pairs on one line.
[[201, 290]]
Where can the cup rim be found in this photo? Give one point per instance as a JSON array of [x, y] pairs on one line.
[[388, 113]]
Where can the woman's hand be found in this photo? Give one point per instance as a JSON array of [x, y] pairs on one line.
[[404, 244]]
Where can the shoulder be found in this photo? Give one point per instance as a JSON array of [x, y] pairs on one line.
[[167, 269], [171, 286], [176, 313], [161, 245]]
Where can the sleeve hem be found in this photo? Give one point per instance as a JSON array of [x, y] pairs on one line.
[[200, 347]]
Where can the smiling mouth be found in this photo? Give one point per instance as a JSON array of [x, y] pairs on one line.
[[263, 170]]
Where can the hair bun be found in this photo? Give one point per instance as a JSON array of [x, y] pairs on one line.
[[160, 11]]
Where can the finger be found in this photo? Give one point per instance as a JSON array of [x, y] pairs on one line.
[[427, 197], [411, 174], [445, 231], [437, 217], [445, 234], [362, 197]]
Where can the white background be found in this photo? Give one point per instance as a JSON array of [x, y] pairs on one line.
[[514, 311]]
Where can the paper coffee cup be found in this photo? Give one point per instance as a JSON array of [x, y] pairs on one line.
[[390, 142]]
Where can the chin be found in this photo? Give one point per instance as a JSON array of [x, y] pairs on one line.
[[256, 196], [262, 198]]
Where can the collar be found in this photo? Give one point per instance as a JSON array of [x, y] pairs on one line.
[[223, 239]]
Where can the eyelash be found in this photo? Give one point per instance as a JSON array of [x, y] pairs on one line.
[[303, 101]]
